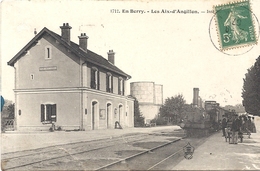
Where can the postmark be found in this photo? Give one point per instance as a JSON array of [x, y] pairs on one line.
[[235, 25]]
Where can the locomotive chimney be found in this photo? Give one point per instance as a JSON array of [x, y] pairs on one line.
[[195, 97]]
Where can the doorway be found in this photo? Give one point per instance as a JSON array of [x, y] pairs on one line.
[[93, 114], [120, 113], [108, 115]]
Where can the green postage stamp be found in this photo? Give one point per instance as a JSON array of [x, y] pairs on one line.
[[235, 25]]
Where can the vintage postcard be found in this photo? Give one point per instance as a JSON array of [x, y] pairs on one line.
[[130, 85]]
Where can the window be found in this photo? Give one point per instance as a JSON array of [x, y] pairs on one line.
[[120, 86], [109, 83], [94, 79], [48, 112], [48, 52], [32, 76]]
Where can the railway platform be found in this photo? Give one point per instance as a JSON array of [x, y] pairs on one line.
[[217, 154]]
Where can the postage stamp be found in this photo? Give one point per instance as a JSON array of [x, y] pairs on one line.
[[235, 25]]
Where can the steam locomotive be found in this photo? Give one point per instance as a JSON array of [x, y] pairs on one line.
[[203, 118]]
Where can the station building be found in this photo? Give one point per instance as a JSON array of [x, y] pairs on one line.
[[149, 96], [59, 81]]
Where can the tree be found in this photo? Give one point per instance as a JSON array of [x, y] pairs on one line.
[[7, 112], [239, 108], [173, 108], [251, 89], [8, 109], [138, 117]]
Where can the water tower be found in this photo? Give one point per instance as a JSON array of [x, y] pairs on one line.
[[149, 96]]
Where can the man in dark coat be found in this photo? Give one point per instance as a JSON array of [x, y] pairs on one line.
[[240, 123], [224, 125], [250, 124], [235, 128], [245, 126], [253, 125]]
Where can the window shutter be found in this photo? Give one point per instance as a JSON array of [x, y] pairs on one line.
[[53, 112], [123, 89], [107, 83], [111, 84], [119, 87], [98, 80], [42, 112], [92, 83]]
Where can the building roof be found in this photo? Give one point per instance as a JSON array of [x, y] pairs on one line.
[[88, 56]]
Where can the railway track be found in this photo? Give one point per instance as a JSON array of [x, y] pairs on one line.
[[87, 155], [163, 157], [24, 153], [62, 151], [11, 155], [136, 155]]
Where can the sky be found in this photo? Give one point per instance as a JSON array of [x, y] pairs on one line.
[[179, 51]]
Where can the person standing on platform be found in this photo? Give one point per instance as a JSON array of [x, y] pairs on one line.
[[240, 123], [246, 126], [253, 125], [250, 124], [224, 125], [235, 129]]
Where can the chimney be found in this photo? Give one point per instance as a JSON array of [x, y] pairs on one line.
[[111, 56], [83, 41], [195, 97], [35, 32], [65, 32]]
